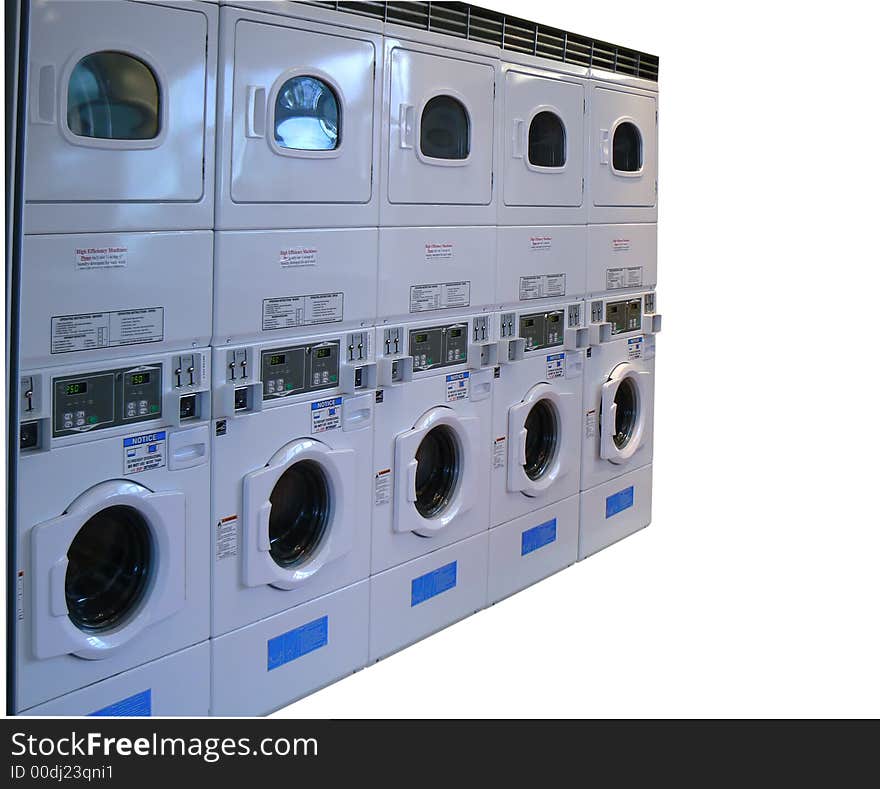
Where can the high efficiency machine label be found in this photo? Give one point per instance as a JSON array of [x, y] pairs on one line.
[[540, 243], [295, 257], [538, 536], [433, 583], [145, 452], [70, 333], [540, 286], [138, 705], [295, 643], [439, 296], [457, 386], [326, 415], [441, 251], [620, 501], [629, 277], [87, 258], [288, 312], [555, 366]]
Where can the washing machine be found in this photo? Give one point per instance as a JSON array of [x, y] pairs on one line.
[[430, 461], [90, 297], [618, 439], [120, 127], [621, 259], [300, 104], [622, 153], [293, 434], [112, 534]]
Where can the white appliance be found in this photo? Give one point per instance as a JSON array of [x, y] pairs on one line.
[[112, 530], [291, 501], [543, 142], [622, 153], [431, 454], [618, 414], [90, 297], [120, 127], [621, 258], [284, 283], [299, 108]]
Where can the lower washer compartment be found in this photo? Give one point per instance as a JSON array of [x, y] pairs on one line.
[[420, 597], [177, 684], [614, 510], [266, 665]]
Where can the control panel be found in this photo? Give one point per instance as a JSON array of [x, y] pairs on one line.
[[107, 398], [298, 369], [624, 316], [438, 346], [542, 329]]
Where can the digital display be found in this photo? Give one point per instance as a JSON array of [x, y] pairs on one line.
[[421, 338], [277, 358], [455, 333], [529, 322], [554, 318], [322, 353], [139, 378], [78, 388]]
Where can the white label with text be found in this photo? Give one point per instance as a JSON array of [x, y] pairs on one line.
[[541, 286], [288, 312], [92, 330], [440, 296]]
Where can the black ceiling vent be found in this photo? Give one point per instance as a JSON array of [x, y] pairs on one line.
[[463, 20]]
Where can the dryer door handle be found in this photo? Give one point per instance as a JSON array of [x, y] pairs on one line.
[[604, 146], [519, 138], [522, 437], [411, 469], [263, 526], [407, 121], [256, 111], [57, 596], [43, 94]]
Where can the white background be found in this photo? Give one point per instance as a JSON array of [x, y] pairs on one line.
[[755, 592]]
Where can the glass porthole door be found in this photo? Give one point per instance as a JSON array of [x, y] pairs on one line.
[[625, 401], [297, 517]]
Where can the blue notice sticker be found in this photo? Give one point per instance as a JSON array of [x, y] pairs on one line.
[[297, 642], [538, 536], [433, 583], [139, 705], [620, 501]]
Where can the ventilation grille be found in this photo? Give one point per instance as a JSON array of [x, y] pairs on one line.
[[517, 35]]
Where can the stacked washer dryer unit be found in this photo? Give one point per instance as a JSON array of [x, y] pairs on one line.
[[435, 352], [293, 351], [112, 529], [540, 287], [622, 308]]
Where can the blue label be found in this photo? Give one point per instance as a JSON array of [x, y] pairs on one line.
[[634, 340], [319, 404], [141, 704], [538, 536], [555, 357], [457, 377], [620, 501], [146, 438], [433, 583], [297, 642]]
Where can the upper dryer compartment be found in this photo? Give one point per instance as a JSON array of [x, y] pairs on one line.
[[622, 154], [439, 130], [543, 141], [300, 104], [121, 116]]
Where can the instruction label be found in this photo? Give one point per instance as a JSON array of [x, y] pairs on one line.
[[87, 258], [457, 386], [630, 277], [382, 493], [70, 333], [227, 538], [540, 243], [634, 347], [431, 584], [297, 642], [555, 366], [144, 452], [439, 296], [540, 286], [443, 251], [590, 424], [298, 256], [620, 501], [140, 705], [498, 454], [538, 536], [326, 415], [287, 312]]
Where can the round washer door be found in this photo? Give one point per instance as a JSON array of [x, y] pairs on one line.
[[625, 402], [433, 472], [540, 445], [112, 564], [296, 519]]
